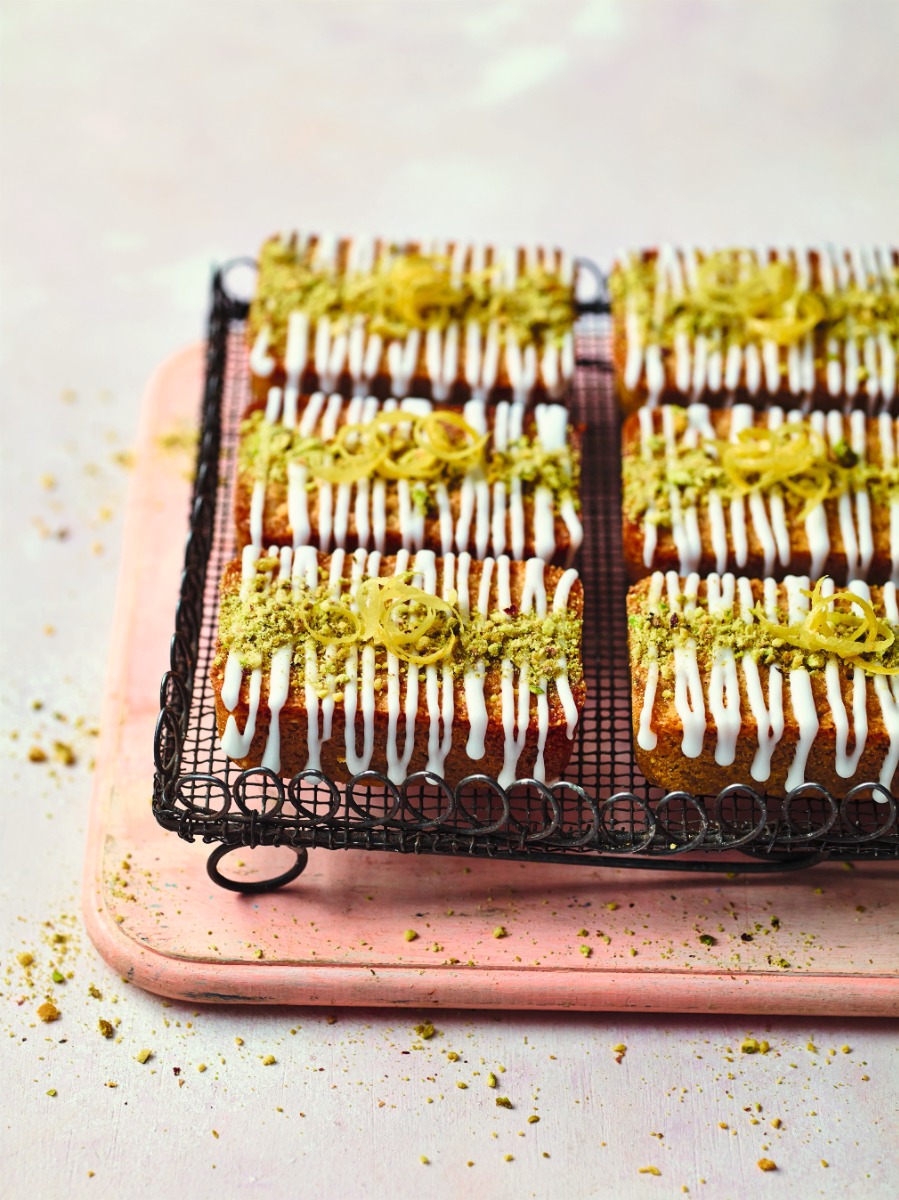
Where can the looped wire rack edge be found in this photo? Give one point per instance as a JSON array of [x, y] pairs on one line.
[[603, 813]]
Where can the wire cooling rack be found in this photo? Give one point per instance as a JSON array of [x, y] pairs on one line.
[[603, 812]]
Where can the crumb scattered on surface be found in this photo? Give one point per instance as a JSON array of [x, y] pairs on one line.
[[766, 1164]]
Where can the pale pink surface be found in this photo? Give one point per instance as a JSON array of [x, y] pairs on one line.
[[141, 143], [335, 935]]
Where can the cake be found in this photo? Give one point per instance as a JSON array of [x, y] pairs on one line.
[[784, 326], [766, 493], [355, 662], [448, 321], [387, 475], [747, 681]]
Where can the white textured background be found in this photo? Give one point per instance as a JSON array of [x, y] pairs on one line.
[[143, 140]]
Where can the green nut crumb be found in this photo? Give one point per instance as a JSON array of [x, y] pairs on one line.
[[426, 1030], [143, 1056], [503, 1102], [409, 935], [491, 1080], [106, 1028], [500, 932]]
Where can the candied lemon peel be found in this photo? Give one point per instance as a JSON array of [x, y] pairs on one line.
[[849, 633]]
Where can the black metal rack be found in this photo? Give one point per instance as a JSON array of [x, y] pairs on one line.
[[603, 813]]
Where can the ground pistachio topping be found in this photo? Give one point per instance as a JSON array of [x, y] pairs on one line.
[[738, 299], [843, 625], [426, 449], [390, 614], [406, 291], [794, 458]]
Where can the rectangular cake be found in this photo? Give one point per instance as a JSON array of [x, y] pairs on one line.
[[360, 662], [784, 326], [445, 320], [765, 493], [386, 475], [740, 680]]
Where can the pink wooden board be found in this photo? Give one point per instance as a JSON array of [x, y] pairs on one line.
[[336, 935]]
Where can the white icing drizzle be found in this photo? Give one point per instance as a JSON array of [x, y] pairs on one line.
[[835, 434], [816, 528], [887, 430], [563, 685], [882, 261], [684, 524], [724, 687], [847, 764], [474, 677], [779, 528], [647, 739], [498, 522], [438, 680], [397, 761], [799, 682], [261, 362], [278, 683], [857, 440], [688, 698], [740, 419], [234, 743], [360, 685], [768, 715], [650, 528]]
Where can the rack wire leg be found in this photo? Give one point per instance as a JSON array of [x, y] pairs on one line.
[[255, 886]]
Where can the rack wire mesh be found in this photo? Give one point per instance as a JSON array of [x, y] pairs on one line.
[[603, 812]]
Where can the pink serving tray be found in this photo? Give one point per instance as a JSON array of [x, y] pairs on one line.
[[336, 935]]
